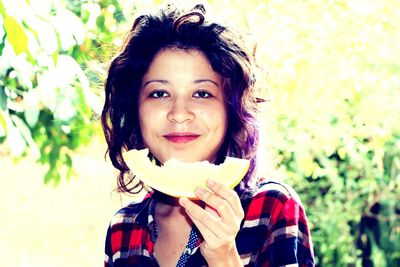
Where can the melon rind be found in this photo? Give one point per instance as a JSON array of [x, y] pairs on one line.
[[180, 179]]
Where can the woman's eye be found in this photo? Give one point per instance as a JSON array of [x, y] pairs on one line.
[[159, 94], [202, 94]]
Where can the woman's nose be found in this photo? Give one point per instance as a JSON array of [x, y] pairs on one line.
[[180, 111]]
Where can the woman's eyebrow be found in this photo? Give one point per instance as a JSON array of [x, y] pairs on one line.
[[206, 80], [155, 81], [195, 81]]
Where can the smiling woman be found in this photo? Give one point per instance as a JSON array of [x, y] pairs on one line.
[[182, 109], [183, 87]]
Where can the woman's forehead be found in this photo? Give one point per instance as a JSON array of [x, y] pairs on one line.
[[177, 62]]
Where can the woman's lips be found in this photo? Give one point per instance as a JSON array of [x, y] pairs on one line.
[[181, 137]]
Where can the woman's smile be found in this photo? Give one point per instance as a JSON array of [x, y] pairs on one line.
[[181, 137]]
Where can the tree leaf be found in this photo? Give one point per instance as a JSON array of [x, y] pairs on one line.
[[3, 98], [55, 56], [3, 38], [15, 141], [3, 43], [52, 175], [2, 9], [3, 129], [32, 110], [25, 132], [16, 35]]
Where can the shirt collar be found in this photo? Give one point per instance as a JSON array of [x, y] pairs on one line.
[[145, 217], [142, 215]]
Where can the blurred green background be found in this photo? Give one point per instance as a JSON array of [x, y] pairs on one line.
[[331, 73]]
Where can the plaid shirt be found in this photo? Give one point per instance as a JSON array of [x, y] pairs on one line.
[[274, 232]]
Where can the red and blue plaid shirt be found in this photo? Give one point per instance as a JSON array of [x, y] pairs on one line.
[[274, 232]]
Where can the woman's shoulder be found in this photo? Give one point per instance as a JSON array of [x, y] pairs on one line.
[[130, 212], [283, 190], [273, 190], [275, 213]]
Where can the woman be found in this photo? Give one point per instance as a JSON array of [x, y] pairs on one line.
[[183, 87]]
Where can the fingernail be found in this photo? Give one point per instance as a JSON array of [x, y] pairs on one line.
[[183, 201], [210, 182], [199, 191]]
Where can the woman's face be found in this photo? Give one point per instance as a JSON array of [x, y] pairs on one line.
[[182, 111]]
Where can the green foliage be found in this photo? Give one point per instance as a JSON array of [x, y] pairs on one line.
[[48, 83], [335, 91], [15, 35]]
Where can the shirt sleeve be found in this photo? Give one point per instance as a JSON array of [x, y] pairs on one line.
[[108, 250], [288, 241]]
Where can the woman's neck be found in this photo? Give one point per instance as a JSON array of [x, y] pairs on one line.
[[168, 206]]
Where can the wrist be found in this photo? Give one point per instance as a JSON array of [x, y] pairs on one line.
[[231, 259], [226, 263]]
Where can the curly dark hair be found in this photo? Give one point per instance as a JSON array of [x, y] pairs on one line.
[[174, 28]]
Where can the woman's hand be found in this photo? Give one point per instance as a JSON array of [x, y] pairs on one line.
[[219, 223]]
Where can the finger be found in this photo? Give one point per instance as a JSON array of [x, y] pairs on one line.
[[212, 211], [227, 194], [201, 218], [209, 236], [217, 203], [212, 239]]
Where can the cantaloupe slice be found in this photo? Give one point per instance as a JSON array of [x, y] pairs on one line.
[[180, 179]]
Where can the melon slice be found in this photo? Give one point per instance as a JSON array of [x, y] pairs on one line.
[[180, 179]]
